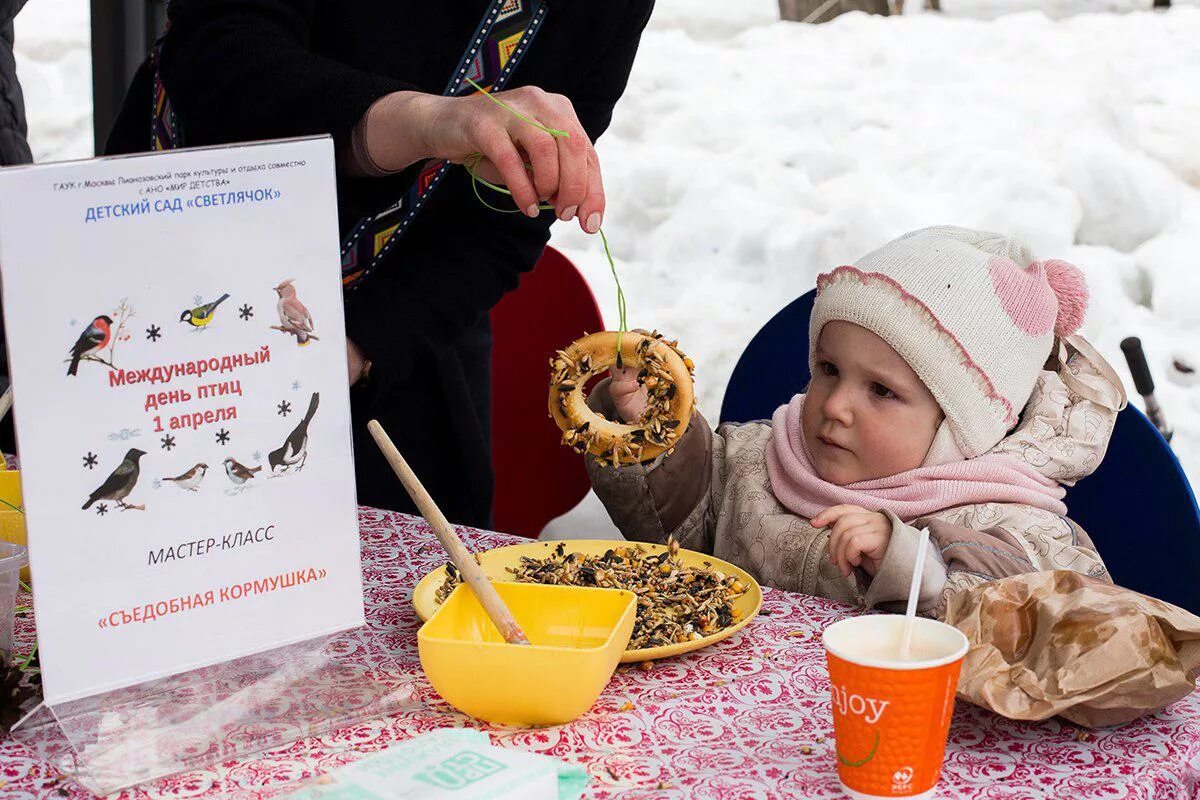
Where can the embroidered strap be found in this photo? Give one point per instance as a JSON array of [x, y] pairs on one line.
[[164, 132], [495, 49]]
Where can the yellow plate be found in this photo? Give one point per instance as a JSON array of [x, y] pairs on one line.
[[495, 563]]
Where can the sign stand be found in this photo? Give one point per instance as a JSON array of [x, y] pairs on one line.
[[121, 738], [177, 345]]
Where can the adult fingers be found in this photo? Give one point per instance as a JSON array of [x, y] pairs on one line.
[[484, 169], [541, 150], [498, 148], [573, 168], [591, 208]]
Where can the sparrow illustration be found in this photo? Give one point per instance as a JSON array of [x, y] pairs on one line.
[[294, 449], [238, 473], [200, 316], [94, 339], [293, 316], [120, 483], [190, 479]]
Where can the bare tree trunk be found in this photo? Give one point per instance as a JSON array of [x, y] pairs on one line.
[[825, 10]]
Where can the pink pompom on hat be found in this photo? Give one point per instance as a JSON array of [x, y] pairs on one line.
[[973, 313]]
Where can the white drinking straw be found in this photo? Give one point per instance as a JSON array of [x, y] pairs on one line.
[[913, 591]]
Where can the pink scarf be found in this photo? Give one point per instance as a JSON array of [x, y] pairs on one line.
[[989, 478]]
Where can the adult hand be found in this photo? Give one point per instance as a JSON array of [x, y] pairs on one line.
[[857, 537], [405, 127], [355, 361]]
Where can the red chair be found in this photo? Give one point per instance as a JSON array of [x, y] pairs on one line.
[[537, 479]]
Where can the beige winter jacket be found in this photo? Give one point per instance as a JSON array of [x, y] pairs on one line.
[[713, 493]]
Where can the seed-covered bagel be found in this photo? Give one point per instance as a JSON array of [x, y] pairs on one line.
[[663, 370]]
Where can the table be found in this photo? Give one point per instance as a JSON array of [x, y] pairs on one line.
[[746, 718]]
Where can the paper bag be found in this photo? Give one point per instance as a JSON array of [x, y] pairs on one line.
[[1047, 643]]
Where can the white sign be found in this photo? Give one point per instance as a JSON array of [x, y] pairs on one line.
[[177, 350]]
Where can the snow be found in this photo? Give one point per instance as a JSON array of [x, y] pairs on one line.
[[750, 154], [1056, 9], [54, 65]]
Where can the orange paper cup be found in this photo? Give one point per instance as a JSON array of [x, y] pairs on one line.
[[891, 717]]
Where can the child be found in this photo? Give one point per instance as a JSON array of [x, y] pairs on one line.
[[948, 392]]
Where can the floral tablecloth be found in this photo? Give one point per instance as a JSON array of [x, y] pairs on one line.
[[746, 718]]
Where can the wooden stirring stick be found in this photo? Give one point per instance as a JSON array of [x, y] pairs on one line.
[[502, 618]]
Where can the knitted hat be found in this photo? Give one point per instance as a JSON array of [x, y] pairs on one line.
[[971, 312]]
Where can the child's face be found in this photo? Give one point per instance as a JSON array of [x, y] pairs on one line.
[[867, 414]]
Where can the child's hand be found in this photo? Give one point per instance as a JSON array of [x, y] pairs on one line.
[[627, 394], [857, 537]]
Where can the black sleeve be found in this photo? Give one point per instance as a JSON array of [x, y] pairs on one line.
[[241, 70], [603, 86], [14, 148], [478, 254]]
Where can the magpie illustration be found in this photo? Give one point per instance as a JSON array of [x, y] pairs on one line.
[[294, 450]]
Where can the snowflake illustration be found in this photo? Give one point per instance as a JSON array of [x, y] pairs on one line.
[[168, 442], [73, 322], [197, 300], [153, 333], [223, 436], [102, 509], [257, 455], [246, 311], [157, 483], [90, 460], [285, 408], [295, 386]]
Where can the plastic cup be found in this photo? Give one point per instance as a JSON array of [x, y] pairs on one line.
[[12, 558], [891, 717]]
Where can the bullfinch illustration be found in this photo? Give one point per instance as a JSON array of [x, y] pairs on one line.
[[94, 339]]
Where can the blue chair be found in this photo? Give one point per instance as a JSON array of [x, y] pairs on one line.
[[1137, 507]]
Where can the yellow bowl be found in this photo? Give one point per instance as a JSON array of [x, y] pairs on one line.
[[12, 522], [576, 639], [496, 562]]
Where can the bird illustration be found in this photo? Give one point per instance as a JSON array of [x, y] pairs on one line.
[[294, 450], [120, 483], [94, 339], [239, 473], [200, 316], [190, 479], [293, 316]]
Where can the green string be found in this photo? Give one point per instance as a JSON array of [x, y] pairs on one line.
[[620, 295], [10, 505], [552, 131], [471, 165]]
